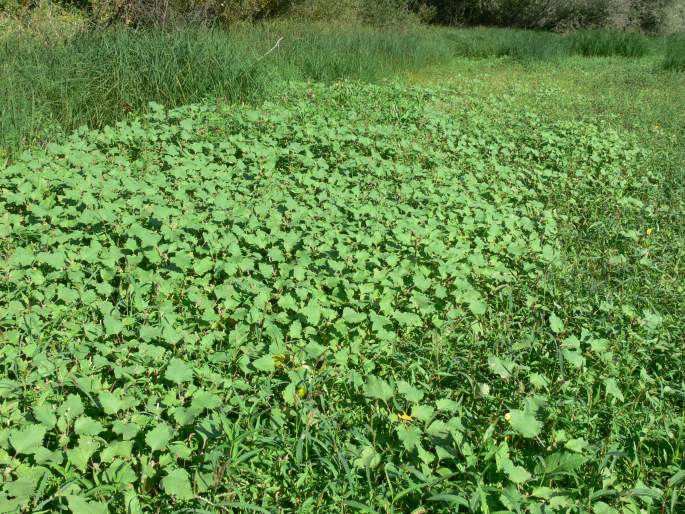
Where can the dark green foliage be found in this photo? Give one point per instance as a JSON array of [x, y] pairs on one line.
[[675, 53], [607, 43], [647, 15]]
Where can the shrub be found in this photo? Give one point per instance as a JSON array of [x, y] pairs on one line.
[[343, 11], [172, 12], [648, 15]]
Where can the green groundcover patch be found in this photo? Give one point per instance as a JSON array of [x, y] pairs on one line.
[[341, 301]]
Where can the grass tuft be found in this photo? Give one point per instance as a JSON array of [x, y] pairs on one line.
[[609, 43], [520, 45], [675, 53]]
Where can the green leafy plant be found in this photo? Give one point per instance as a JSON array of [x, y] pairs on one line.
[[349, 297]]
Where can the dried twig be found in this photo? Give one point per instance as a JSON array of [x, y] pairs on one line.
[[278, 43]]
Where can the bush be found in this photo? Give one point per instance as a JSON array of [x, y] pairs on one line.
[[47, 22], [143, 13], [648, 15], [607, 43], [343, 11]]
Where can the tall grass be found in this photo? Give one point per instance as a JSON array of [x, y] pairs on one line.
[[49, 87], [609, 43], [675, 53], [529, 45], [520, 45], [95, 79]]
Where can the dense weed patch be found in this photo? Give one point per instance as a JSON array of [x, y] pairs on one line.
[[350, 298]]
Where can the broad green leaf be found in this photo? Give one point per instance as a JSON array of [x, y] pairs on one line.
[[377, 388], [265, 363], [113, 325], [72, 408], [123, 449], [422, 412], [502, 367], [178, 371], [80, 505], [177, 483], [203, 266], [603, 508], [576, 445], [478, 307], [556, 324], [516, 474], [158, 437], [45, 414], [410, 436], [111, 402], [352, 316], [44, 456], [312, 311], [612, 389], [314, 350], [446, 405], [132, 502], [126, 430], [27, 440], [525, 423], [22, 488], [205, 400], [87, 426], [574, 358], [81, 454], [411, 393], [368, 458], [421, 282], [119, 472]]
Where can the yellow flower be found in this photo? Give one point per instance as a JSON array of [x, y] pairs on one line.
[[650, 231], [403, 416], [507, 416], [279, 359]]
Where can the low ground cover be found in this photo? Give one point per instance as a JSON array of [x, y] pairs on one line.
[[351, 298]]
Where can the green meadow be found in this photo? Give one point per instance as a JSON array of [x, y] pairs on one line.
[[306, 268]]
